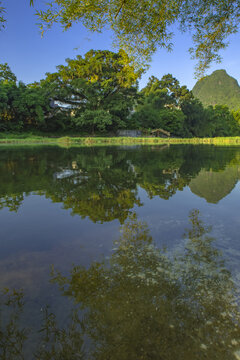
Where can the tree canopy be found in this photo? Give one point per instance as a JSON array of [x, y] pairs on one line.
[[6, 73], [141, 26], [98, 93], [98, 89]]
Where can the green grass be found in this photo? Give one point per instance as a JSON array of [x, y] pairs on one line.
[[29, 139]]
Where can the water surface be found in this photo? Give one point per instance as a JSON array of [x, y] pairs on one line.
[[66, 206]]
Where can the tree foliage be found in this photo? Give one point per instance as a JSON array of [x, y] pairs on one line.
[[167, 105], [2, 17], [99, 93], [98, 90], [161, 105], [6, 74], [141, 26], [21, 107]]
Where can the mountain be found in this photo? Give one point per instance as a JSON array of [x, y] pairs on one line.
[[218, 89]]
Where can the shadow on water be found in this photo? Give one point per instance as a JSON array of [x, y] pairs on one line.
[[141, 303]]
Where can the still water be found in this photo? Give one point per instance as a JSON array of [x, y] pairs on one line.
[[107, 225]]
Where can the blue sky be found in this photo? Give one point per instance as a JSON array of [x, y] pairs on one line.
[[31, 56]]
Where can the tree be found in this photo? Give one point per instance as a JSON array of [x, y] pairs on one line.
[[224, 123], [175, 94], [141, 26], [6, 74], [2, 19], [21, 107], [236, 115], [196, 121], [98, 90], [160, 108]]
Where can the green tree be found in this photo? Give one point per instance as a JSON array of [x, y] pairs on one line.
[[21, 107], [6, 74], [97, 90], [223, 122], [141, 26], [160, 107], [175, 93], [196, 122], [8, 115], [236, 115]]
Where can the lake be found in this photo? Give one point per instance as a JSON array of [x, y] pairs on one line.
[[107, 225]]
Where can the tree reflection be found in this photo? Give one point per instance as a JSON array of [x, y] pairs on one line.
[[102, 183], [144, 304], [171, 169], [103, 186]]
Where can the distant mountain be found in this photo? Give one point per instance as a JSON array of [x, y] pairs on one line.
[[218, 89]]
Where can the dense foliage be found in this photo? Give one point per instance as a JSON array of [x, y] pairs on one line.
[[169, 106], [218, 89], [96, 92], [21, 107], [99, 93]]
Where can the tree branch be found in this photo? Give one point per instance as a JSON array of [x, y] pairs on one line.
[[121, 6]]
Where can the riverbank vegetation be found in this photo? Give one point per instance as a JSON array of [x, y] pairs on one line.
[[98, 94]]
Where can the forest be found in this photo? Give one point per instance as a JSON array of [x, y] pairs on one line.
[[98, 93]]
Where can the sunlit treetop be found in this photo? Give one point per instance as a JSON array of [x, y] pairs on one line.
[[6, 73], [142, 26]]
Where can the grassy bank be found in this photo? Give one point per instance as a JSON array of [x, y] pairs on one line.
[[71, 141]]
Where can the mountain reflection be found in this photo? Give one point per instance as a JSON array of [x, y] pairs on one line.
[[103, 183], [214, 186], [144, 303]]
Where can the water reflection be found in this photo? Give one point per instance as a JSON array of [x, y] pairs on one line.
[[143, 303], [214, 186], [103, 183]]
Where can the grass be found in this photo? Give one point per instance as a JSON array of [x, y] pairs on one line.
[[30, 139]]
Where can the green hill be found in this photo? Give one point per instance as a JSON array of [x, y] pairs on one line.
[[218, 89]]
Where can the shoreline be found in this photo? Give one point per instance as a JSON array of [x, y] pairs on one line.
[[91, 141]]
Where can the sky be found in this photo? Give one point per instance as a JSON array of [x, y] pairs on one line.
[[30, 56]]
